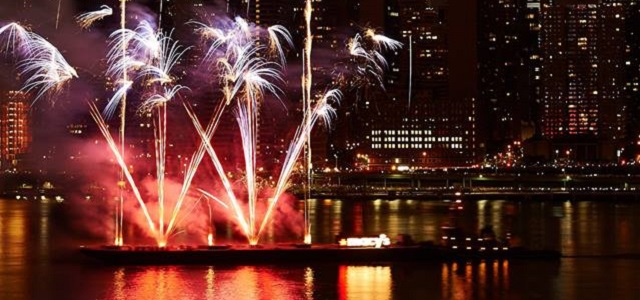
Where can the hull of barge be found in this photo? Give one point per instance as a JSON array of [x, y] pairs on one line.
[[292, 254]]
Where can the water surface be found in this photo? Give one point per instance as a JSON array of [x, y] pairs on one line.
[[37, 258]]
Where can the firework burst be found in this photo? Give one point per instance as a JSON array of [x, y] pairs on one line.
[[149, 57], [45, 67], [16, 38], [246, 60], [87, 19]]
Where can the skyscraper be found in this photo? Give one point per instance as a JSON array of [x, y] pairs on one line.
[[583, 51], [427, 118], [632, 83], [15, 135], [503, 76]]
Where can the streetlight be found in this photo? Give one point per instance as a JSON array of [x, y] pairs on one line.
[[336, 157]]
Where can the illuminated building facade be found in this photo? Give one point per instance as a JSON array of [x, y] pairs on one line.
[[15, 135], [583, 50], [507, 33], [632, 83], [532, 97], [426, 120]]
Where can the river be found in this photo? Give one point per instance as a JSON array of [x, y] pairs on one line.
[[38, 258]]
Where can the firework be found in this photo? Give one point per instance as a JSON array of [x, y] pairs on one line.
[[307, 83], [47, 69], [158, 100], [205, 136], [58, 13], [276, 33], [232, 41], [17, 38], [117, 97], [323, 110], [149, 56], [246, 75], [254, 81], [246, 60], [87, 19], [97, 117], [170, 54], [383, 42], [410, 69], [143, 54], [367, 63], [119, 240]]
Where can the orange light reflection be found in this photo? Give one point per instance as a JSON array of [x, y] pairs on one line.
[[364, 282], [160, 283]]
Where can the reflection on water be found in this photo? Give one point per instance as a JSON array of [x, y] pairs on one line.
[[250, 282], [31, 268], [308, 283], [247, 282], [483, 280], [364, 282], [13, 248]]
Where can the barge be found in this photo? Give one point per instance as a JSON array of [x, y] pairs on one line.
[[330, 253]]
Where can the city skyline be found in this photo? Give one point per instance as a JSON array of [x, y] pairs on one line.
[[319, 149], [460, 94]]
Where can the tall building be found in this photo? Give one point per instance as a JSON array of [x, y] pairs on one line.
[[583, 57], [632, 83], [15, 135], [501, 39], [583, 52], [532, 97], [427, 116]]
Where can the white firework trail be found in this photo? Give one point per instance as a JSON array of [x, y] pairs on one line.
[[42, 63], [307, 83], [276, 33], [149, 56], [47, 69], [115, 100], [17, 38], [58, 13], [158, 71], [323, 110], [205, 136], [384, 43], [104, 129], [87, 19], [218, 37], [170, 53], [240, 35], [157, 100], [369, 62], [410, 69], [119, 239], [214, 198], [245, 76]]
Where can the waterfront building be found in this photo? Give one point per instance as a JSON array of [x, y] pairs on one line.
[[509, 70], [426, 117], [583, 52], [15, 132], [583, 58]]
